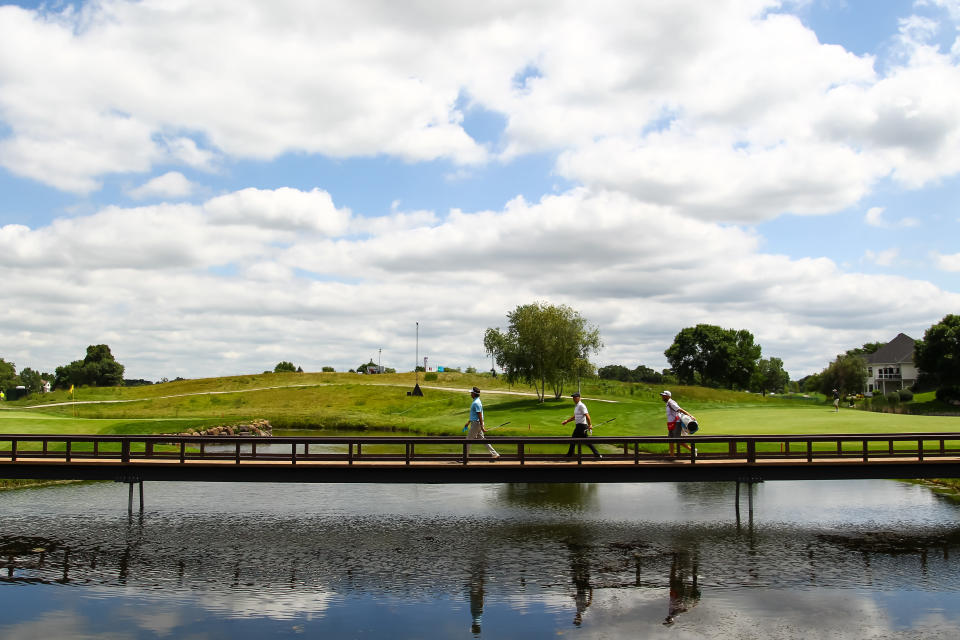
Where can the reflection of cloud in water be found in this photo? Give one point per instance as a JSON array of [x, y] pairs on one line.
[[277, 605], [538, 550], [816, 614], [61, 624]]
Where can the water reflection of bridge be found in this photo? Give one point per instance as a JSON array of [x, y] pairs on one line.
[[259, 562], [447, 459]]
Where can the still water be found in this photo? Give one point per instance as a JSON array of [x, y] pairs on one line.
[[874, 559]]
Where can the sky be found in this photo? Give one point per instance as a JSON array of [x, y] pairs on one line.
[[211, 188]]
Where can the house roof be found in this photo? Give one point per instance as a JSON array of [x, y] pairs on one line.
[[898, 350]]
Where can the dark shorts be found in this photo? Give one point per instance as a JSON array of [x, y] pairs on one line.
[[675, 430]]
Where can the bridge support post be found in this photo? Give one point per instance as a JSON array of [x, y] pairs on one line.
[[749, 481], [130, 480], [130, 496]]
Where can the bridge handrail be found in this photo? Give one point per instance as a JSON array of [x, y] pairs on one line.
[[909, 435], [219, 448]]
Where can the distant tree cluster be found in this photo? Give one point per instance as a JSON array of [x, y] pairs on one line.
[[138, 382], [30, 379], [769, 376], [8, 374], [619, 372], [286, 367], [97, 369], [938, 357], [711, 356]]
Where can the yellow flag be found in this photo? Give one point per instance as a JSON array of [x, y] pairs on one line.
[[71, 388]]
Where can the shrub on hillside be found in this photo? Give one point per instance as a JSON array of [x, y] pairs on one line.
[[905, 395], [430, 377], [893, 398]]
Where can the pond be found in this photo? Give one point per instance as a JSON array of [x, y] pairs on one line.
[[850, 559]]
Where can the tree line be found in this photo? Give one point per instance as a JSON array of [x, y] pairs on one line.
[[548, 347], [98, 368]]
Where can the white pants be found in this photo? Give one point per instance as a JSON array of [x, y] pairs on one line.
[[477, 434]]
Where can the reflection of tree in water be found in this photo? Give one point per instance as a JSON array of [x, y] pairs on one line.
[[580, 553], [567, 494], [537, 554], [684, 590], [478, 571]]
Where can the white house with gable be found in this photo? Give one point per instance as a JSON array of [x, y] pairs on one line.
[[891, 368]]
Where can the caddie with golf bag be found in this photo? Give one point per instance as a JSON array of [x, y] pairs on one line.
[[675, 424]]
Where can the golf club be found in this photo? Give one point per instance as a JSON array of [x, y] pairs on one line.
[[590, 430], [488, 429]]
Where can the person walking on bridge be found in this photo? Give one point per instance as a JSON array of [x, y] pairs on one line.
[[674, 426], [475, 423], [581, 421]]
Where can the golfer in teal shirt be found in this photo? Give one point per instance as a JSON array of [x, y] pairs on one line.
[[476, 422]]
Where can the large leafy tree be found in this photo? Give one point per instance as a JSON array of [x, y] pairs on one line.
[[847, 374], [938, 354], [543, 345], [713, 356], [8, 374], [97, 369]]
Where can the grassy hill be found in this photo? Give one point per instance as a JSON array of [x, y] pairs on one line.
[[360, 402]]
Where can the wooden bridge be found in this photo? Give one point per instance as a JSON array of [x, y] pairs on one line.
[[417, 459]]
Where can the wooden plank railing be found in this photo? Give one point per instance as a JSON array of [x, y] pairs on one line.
[[864, 448]]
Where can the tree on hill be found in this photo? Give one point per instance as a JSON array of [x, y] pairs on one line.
[[810, 383], [713, 357], [544, 344], [938, 355], [33, 380], [769, 376], [619, 372], [847, 374], [368, 366], [8, 374], [97, 369], [284, 367], [867, 349]]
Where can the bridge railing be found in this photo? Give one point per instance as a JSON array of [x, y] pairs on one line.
[[420, 449]]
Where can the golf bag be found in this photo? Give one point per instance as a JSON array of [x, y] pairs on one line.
[[689, 426]]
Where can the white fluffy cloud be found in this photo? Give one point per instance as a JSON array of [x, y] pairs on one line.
[[949, 262], [172, 184], [282, 209], [882, 258], [677, 121], [731, 111], [874, 218], [253, 277]]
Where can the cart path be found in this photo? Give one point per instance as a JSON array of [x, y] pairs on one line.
[[288, 386]]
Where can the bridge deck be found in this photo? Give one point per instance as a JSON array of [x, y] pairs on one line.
[[441, 459]]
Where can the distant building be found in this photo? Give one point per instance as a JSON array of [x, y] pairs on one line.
[[44, 386], [891, 368]]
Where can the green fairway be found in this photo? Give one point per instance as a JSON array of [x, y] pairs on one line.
[[339, 401]]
